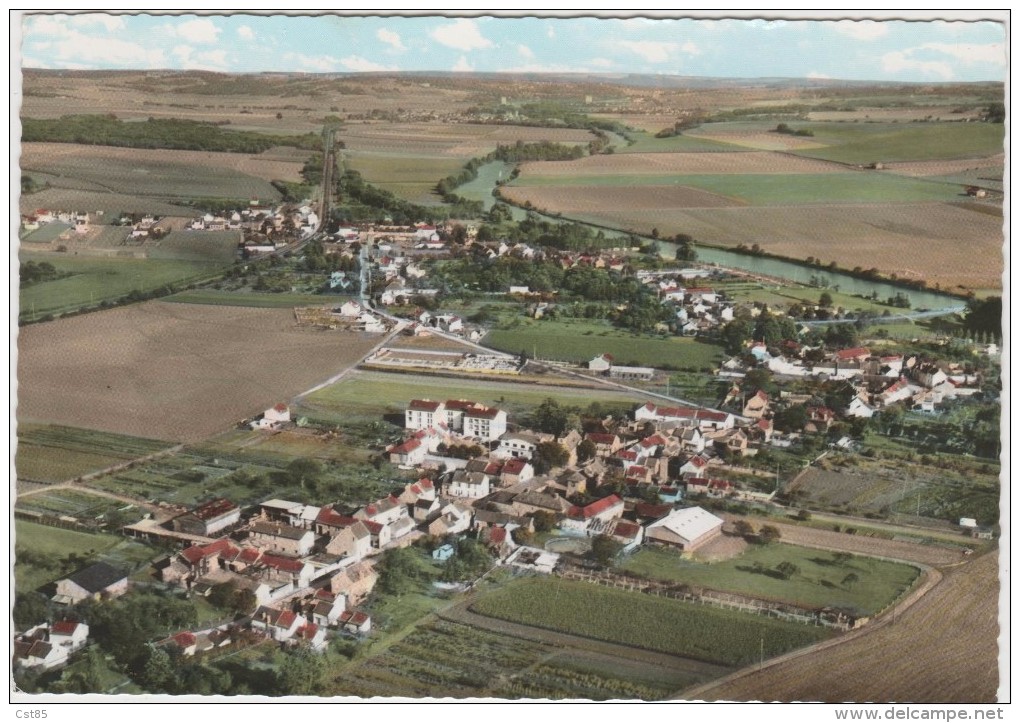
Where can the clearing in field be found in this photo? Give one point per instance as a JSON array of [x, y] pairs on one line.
[[172, 371], [820, 581], [665, 625], [927, 655], [51, 453]]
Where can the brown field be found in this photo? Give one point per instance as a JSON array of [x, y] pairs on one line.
[[460, 140], [885, 115], [943, 243], [762, 140], [268, 166], [651, 123], [176, 372], [943, 649], [593, 199], [636, 164], [992, 166]]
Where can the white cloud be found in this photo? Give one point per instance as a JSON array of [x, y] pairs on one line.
[[690, 49], [246, 32], [462, 34], [525, 51], [900, 61], [200, 30], [190, 59], [969, 53], [110, 22], [390, 38], [363, 65], [863, 30], [542, 68], [601, 62], [815, 75], [462, 65], [316, 64], [653, 51], [550, 32]]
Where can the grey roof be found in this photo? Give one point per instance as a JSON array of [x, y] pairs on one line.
[[98, 577]]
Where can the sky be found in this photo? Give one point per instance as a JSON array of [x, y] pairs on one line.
[[898, 50]]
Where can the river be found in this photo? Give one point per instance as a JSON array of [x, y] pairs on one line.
[[481, 189]]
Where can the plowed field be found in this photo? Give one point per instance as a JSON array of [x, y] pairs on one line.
[[631, 164], [595, 199]]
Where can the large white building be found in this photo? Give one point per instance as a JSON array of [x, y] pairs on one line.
[[458, 415], [686, 529]]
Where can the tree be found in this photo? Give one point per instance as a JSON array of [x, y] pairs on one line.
[[734, 334], [550, 417], [803, 515], [586, 450], [159, 672], [743, 528], [544, 521], [769, 534], [996, 113], [825, 299], [300, 673], [399, 572], [549, 455], [841, 558], [304, 472], [791, 419], [850, 580], [604, 549], [787, 569]]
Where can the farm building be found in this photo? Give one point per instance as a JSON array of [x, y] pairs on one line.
[[99, 581], [632, 373], [208, 518], [686, 529]]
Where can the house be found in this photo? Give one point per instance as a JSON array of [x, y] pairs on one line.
[[595, 518], [628, 534], [46, 647], [355, 622], [757, 406], [704, 419], [313, 636], [644, 374], [521, 444], [453, 519], [385, 511], [274, 417], [472, 485], [96, 582], [424, 414], [605, 444], [408, 454], [207, 519], [484, 422], [326, 607], [284, 539], [280, 625], [686, 529], [515, 471], [354, 541], [349, 309], [709, 487], [859, 408], [498, 540], [354, 582], [601, 363]]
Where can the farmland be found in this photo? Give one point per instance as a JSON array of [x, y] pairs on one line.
[[457, 141], [659, 624], [255, 299], [48, 453], [579, 340], [95, 280], [817, 584], [448, 659], [172, 371], [412, 178], [369, 395], [943, 631], [633, 166]]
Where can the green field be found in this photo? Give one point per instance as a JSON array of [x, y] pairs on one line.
[[95, 280], [648, 143], [579, 340], [70, 502], [785, 296], [770, 189], [50, 453], [661, 624], [412, 178], [818, 584], [253, 298], [372, 394], [889, 142], [47, 545]]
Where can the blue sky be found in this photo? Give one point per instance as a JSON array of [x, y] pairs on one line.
[[854, 50]]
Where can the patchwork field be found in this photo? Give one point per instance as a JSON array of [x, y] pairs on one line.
[[944, 244], [172, 371], [660, 624], [592, 199], [111, 204], [160, 173], [943, 632], [412, 178], [656, 164], [50, 453], [457, 140]]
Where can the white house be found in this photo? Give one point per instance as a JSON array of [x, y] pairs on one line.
[[274, 417], [424, 413], [471, 485], [484, 422], [521, 444]]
